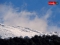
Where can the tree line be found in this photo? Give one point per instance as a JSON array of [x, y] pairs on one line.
[[36, 40]]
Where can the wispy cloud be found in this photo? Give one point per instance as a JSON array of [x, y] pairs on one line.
[[13, 17]]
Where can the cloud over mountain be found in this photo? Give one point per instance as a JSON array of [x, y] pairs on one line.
[[13, 17]]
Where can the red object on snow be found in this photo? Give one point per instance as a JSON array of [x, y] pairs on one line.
[[52, 2]]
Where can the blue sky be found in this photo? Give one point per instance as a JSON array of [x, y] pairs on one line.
[[36, 4], [41, 7]]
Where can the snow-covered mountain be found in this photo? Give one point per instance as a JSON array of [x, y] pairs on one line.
[[13, 31], [17, 31]]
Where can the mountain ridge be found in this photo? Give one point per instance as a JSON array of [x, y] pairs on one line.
[[17, 31]]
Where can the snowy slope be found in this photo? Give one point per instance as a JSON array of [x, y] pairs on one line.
[[13, 31]]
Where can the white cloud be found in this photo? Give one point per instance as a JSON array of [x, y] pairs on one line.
[[12, 17]]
